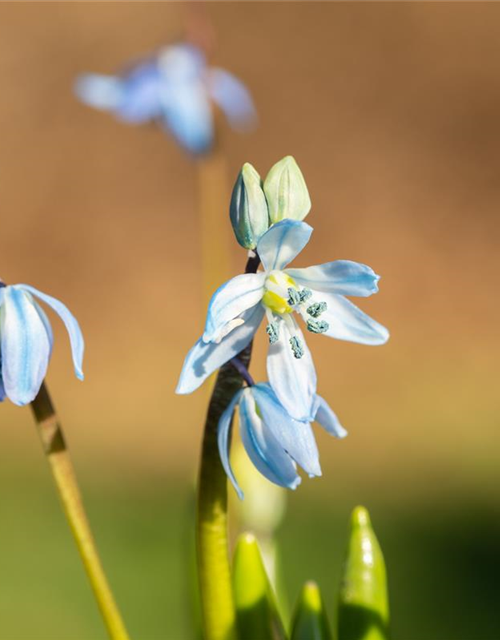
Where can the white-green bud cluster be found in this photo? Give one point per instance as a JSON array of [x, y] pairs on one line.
[[255, 205], [248, 208]]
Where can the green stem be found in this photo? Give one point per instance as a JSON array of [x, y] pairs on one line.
[[54, 446], [212, 527]]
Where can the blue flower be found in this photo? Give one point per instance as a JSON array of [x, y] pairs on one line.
[[316, 294], [274, 441], [26, 341], [175, 88]]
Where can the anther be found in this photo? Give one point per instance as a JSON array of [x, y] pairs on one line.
[[297, 348], [273, 331], [293, 296], [316, 309], [305, 294], [317, 326]]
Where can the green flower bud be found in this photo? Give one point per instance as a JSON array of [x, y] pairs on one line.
[[363, 612], [248, 208], [286, 191]]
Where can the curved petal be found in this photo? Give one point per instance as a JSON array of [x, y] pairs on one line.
[[230, 300], [224, 440], [282, 243], [231, 95], [25, 347], [3, 395], [71, 324], [347, 322], [341, 276], [293, 380], [46, 324], [188, 116], [263, 449], [327, 419], [99, 91], [204, 359], [296, 437]]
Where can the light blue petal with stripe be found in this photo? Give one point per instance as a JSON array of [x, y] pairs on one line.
[[296, 437], [341, 276], [327, 418], [282, 243], [142, 99], [347, 322], [231, 95], [230, 300], [292, 379], [224, 440], [204, 358], [25, 346], [262, 447], [70, 322]]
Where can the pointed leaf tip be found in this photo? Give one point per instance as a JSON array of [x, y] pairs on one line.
[[256, 610], [363, 607], [310, 621]]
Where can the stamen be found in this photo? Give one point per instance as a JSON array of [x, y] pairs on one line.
[[293, 296], [273, 331], [297, 348], [316, 309], [305, 294], [317, 326]]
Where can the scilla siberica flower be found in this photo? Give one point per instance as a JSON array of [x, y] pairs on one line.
[[175, 88], [274, 441], [280, 294], [26, 341]]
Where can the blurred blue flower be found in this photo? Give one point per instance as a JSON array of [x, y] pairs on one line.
[[26, 341], [316, 294], [274, 441], [175, 88]]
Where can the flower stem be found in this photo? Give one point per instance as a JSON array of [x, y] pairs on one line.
[[212, 526], [55, 449]]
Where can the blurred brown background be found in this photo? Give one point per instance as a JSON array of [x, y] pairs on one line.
[[392, 112]]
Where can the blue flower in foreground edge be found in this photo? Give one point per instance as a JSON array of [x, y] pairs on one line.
[[175, 88], [26, 341], [274, 441], [316, 294]]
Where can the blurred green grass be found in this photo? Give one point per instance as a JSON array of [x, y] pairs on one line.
[[443, 562]]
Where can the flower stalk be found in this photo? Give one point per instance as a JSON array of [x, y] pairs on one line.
[[54, 446], [217, 600]]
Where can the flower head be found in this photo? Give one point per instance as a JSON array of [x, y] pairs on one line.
[[175, 88], [26, 341], [281, 295], [274, 441]]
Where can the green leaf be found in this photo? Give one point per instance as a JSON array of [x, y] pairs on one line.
[[256, 612], [363, 608], [310, 621]]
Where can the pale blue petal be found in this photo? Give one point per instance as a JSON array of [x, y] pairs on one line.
[[292, 379], [224, 440], [282, 243], [295, 437], [327, 418], [230, 300], [263, 449], [71, 324], [341, 276], [204, 359], [232, 96], [3, 395], [101, 92], [142, 94], [347, 322], [25, 347], [188, 115], [46, 324]]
